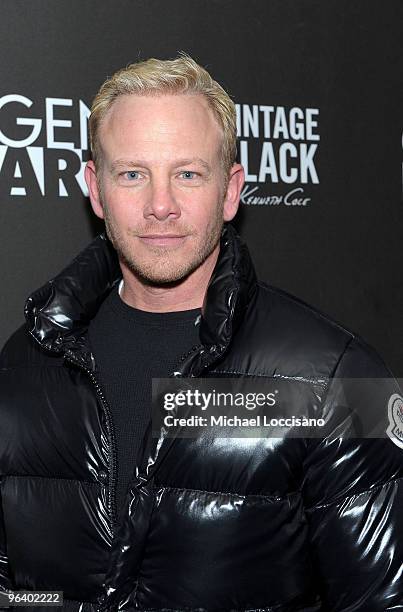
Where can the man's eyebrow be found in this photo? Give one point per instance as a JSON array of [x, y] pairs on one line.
[[193, 160], [139, 163], [126, 163]]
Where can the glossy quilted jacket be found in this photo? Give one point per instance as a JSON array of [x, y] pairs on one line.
[[271, 524]]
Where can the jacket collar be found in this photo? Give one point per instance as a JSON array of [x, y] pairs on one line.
[[58, 314]]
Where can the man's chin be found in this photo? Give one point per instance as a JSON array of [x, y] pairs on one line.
[[163, 274], [161, 280], [164, 268]]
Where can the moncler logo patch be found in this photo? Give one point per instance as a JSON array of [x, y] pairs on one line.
[[395, 414]]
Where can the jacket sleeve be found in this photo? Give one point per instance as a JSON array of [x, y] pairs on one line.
[[4, 576], [353, 487]]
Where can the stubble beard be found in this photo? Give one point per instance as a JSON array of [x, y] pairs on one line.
[[164, 266]]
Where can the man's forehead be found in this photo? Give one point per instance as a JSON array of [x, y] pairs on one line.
[[151, 126], [168, 111]]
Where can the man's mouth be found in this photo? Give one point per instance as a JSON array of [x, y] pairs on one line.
[[162, 239]]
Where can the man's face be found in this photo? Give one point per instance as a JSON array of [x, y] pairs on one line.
[[160, 184]]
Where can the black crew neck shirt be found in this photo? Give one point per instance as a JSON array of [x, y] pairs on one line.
[[131, 347]]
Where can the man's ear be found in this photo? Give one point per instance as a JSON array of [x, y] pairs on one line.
[[93, 189], [235, 183]]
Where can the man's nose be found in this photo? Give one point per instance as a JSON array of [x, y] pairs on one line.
[[161, 202]]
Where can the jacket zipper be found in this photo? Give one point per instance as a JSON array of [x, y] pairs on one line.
[[110, 431], [70, 357], [215, 354]]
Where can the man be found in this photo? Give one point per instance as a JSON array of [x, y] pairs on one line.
[[92, 504]]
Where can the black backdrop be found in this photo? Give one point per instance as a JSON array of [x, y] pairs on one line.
[[318, 85]]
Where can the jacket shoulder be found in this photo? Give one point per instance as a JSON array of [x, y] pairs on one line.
[[284, 336], [21, 350], [287, 307]]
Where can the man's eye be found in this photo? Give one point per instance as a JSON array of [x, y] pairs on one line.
[[188, 174], [132, 175]]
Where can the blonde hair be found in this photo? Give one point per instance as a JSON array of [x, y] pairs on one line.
[[181, 75]]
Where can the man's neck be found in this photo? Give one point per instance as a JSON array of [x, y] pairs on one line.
[[187, 295]]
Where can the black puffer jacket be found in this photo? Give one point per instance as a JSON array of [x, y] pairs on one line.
[[279, 524]]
